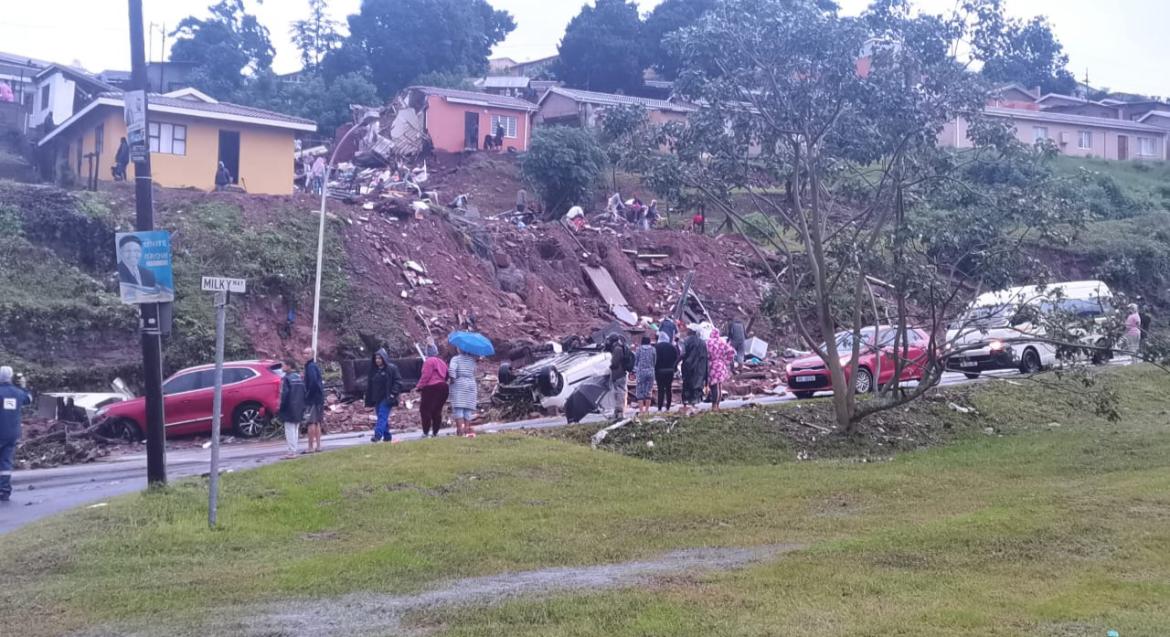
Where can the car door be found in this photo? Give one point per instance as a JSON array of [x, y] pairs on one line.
[[236, 390], [175, 391], [910, 353], [187, 400]]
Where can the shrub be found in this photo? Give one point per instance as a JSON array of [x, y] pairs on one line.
[[564, 164]]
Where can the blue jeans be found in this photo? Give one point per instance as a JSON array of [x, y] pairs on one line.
[[7, 450], [382, 428]]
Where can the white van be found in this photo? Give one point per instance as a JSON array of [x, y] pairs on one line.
[[997, 330]]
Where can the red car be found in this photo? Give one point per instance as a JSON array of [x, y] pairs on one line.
[[251, 394], [810, 374]]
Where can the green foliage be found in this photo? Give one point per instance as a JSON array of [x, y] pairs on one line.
[[666, 18], [226, 48], [565, 163], [1119, 189], [1027, 53], [326, 102], [628, 138], [400, 40], [316, 35], [603, 48]]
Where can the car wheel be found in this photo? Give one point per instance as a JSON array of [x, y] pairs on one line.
[[124, 429], [249, 420], [971, 375], [803, 395], [863, 382], [1030, 362]]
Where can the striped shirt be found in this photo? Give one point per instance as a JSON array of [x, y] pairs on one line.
[[463, 386]]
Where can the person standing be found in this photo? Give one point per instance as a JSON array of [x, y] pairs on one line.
[[699, 222], [433, 390], [222, 177], [668, 327], [651, 217], [694, 369], [314, 400], [382, 389], [317, 175], [619, 374], [464, 392], [645, 361], [737, 337], [121, 160], [719, 358], [1133, 330], [12, 400], [665, 366], [292, 406]]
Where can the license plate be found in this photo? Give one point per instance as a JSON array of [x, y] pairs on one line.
[[968, 363], [805, 379]]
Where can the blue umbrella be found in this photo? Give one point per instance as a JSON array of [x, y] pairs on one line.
[[472, 343]]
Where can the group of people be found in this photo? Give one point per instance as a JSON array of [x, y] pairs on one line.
[[633, 211], [699, 352]]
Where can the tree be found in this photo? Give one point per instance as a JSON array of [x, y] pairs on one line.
[[316, 35], [324, 102], [666, 18], [226, 48], [845, 113], [1027, 53], [400, 40], [627, 138], [565, 164], [602, 49]]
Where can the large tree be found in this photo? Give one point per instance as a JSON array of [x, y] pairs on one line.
[[400, 40], [227, 48], [1027, 53], [315, 35], [845, 114], [603, 49], [666, 18]]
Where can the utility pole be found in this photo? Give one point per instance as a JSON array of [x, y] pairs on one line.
[[156, 460]]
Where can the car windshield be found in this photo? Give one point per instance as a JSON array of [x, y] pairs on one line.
[[1080, 308], [985, 317], [845, 339]]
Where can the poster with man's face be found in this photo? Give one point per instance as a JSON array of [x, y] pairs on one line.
[[144, 267]]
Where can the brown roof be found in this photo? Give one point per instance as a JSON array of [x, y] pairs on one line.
[[223, 108], [498, 101]]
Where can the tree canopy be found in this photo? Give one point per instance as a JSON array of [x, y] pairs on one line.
[[400, 40], [666, 18], [565, 163], [316, 35], [227, 48], [603, 49], [1027, 53]]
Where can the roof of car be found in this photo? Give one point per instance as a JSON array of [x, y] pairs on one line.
[[1030, 293], [254, 363]]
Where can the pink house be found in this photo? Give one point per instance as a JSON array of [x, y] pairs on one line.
[[460, 120]]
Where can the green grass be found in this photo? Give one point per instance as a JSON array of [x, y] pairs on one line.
[[1047, 530]]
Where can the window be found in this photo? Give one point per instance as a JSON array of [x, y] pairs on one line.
[[45, 97], [508, 122], [168, 139], [236, 375], [1085, 140], [1039, 133], [182, 383], [1147, 147]]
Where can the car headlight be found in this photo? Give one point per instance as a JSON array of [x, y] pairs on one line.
[[995, 346]]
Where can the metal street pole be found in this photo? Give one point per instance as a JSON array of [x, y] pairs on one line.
[[156, 460], [221, 301], [321, 227]]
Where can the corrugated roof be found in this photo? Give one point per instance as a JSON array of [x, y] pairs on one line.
[[1065, 118], [503, 81], [498, 101], [223, 108], [611, 99]]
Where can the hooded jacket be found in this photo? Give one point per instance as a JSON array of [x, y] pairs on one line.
[[384, 383], [12, 399]]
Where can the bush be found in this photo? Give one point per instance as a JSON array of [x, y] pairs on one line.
[[565, 164]]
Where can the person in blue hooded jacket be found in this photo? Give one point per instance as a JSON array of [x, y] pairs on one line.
[[382, 389], [12, 400]]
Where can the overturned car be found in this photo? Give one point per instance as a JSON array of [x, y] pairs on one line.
[[549, 382]]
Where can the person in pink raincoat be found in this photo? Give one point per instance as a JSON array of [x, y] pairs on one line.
[[719, 358]]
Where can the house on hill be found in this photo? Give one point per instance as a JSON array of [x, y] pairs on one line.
[[575, 107], [460, 120], [189, 133]]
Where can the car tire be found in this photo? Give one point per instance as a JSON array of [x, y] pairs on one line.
[[1030, 362], [124, 429], [249, 420], [971, 375], [863, 382], [803, 395]]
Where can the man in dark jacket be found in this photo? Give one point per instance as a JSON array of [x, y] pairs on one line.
[[665, 367], [315, 400], [669, 328], [694, 369], [618, 374], [12, 400], [121, 160], [737, 337], [382, 389], [223, 177], [292, 406]]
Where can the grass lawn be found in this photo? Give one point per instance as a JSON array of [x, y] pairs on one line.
[[1060, 527]]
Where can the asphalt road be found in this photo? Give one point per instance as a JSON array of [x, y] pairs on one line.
[[39, 493]]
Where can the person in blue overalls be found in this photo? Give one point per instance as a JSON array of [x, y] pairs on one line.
[[12, 400]]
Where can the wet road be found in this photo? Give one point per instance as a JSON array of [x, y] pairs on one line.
[[39, 493]]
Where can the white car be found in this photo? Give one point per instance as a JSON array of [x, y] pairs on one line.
[[550, 381], [998, 330]]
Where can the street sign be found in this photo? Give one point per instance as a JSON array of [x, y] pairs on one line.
[[224, 284], [135, 116], [144, 267]]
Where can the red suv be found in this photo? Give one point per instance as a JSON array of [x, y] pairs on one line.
[[251, 395]]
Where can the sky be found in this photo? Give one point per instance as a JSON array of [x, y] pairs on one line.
[[1122, 44]]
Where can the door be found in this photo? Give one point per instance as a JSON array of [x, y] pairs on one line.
[[187, 402], [1122, 147], [471, 130], [229, 152]]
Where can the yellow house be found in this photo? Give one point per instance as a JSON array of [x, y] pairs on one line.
[[190, 133]]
